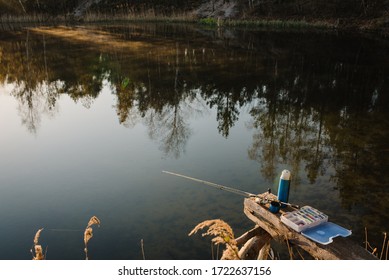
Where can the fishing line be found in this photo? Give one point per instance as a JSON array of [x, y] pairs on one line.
[[64, 229], [262, 198], [220, 187]]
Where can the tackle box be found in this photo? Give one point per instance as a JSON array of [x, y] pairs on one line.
[[314, 224], [304, 218]]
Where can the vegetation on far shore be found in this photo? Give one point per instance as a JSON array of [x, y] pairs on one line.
[[366, 15], [179, 18]]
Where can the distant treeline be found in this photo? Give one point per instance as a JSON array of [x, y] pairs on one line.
[[55, 7], [315, 9]]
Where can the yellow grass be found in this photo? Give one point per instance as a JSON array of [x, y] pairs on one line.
[[38, 252], [88, 233], [223, 235]]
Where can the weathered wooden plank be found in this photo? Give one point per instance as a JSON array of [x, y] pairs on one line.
[[250, 234], [264, 251], [341, 248], [251, 249], [243, 252]]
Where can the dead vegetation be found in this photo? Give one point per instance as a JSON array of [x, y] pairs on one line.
[[379, 254], [37, 251], [88, 233], [256, 244], [223, 235]]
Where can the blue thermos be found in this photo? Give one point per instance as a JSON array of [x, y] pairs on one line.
[[283, 187]]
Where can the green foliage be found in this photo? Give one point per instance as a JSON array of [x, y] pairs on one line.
[[208, 21], [125, 83]]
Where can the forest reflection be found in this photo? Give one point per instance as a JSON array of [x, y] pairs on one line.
[[316, 101]]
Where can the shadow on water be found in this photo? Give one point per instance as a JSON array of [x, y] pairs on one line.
[[317, 102]]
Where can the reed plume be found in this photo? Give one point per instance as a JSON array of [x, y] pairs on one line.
[[88, 233], [223, 235], [38, 252]]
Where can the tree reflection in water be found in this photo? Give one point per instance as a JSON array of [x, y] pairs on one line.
[[318, 102]]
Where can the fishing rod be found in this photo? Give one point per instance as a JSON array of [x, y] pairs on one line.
[[229, 189]]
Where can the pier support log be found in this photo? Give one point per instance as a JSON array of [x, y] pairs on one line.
[[339, 249]]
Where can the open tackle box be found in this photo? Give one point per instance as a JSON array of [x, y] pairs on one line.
[[304, 218], [313, 224]]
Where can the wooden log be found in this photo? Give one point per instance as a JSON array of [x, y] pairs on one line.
[[244, 251], [249, 234], [340, 248], [252, 247], [264, 252]]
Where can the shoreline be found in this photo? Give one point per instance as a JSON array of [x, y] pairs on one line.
[[354, 26]]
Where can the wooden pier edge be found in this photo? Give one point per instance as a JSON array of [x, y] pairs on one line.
[[269, 226]]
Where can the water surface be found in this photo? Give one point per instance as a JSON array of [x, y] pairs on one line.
[[91, 115]]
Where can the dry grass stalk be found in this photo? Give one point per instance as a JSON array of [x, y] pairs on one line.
[[37, 235], [38, 252], [290, 249], [143, 249], [88, 233], [214, 256], [368, 246], [383, 246], [298, 251], [93, 221], [223, 235]]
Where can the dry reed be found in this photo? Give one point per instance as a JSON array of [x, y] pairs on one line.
[[142, 248], [88, 233], [223, 235], [301, 256], [290, 250], [368, 247], [383, 246], [37, 248], [374, 250]]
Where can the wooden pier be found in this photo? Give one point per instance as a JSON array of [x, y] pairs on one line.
[[256, 242]]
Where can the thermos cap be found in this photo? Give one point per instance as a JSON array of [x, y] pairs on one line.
[[285, 175]]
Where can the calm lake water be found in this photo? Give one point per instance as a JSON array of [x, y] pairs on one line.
[[91, 115]]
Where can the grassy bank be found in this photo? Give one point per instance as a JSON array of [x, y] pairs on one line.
[[24, 19], [274, 23], [97, 17], [180, 18], [149, 16], [152, 16]]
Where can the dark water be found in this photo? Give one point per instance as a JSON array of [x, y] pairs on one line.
[[90, 116]]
